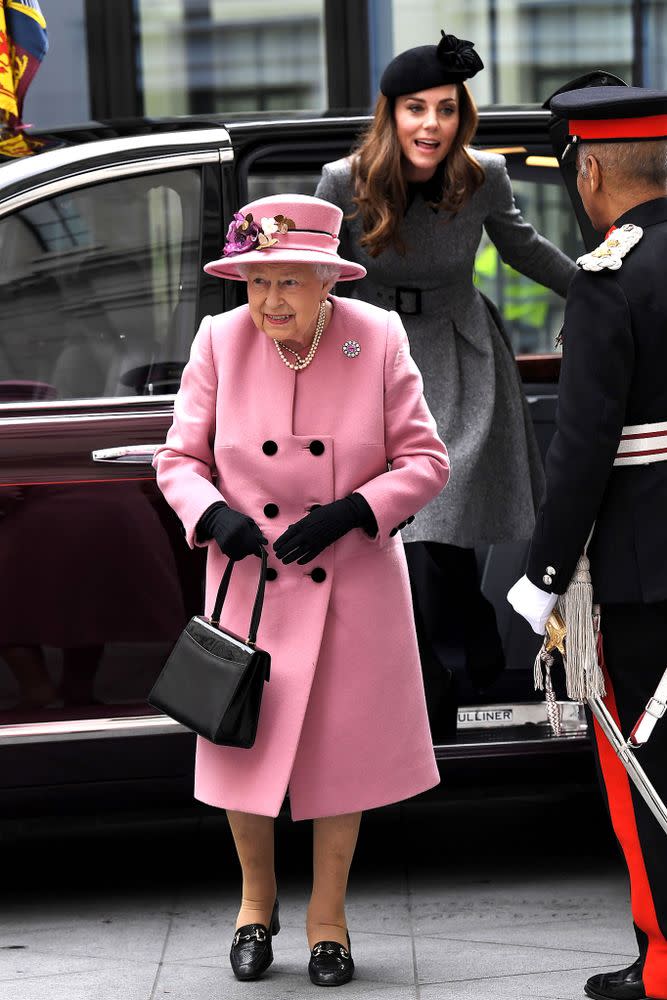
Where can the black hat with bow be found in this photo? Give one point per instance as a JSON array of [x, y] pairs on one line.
[[451, 61]]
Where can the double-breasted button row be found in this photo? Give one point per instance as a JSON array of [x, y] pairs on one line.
[[272, 509], [317, 575], [315, 447]]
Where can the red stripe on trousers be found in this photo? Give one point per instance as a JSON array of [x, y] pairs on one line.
[[625, 827]]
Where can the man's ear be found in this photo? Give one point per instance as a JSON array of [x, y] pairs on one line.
[[594, 173]]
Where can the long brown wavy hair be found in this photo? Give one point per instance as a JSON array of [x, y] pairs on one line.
[[380, 187]]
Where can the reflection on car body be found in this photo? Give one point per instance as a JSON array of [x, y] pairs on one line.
[[102, 242]]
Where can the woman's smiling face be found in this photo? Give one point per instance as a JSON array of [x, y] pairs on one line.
[[426, 126], [284, 300]]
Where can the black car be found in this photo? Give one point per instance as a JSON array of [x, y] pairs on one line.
[[103, 236]]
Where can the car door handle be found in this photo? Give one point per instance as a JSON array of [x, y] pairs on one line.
[[127, 454]]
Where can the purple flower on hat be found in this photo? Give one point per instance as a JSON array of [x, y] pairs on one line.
[[242, 235], [245, 234], [458, 55]]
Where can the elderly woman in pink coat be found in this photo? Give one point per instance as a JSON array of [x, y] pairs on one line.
[[301, 426]]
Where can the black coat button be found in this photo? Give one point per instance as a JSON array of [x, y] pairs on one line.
[[318, 575], [316, 448], [271, 574], [269, 447], [272, 510]]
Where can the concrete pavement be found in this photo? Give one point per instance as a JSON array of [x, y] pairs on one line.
[[499, 895]]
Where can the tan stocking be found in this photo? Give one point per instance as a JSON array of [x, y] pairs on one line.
[[254, 839], [334, 841]]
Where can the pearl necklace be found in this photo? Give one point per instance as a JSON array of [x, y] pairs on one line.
[[302, 363]]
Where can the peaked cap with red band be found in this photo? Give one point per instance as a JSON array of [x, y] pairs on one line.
[[613, 114]]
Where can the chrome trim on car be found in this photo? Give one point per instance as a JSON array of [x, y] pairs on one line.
[[519, 714], [520, 746], [77, 155], [539, 114], [89, 729], [286, 122], [67, 418], [126, 454], [162, 725], [91, 403], [518, 111], [98, 175], [475, 740]]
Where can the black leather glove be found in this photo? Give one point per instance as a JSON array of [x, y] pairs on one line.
[[323, 526], [237, 535]]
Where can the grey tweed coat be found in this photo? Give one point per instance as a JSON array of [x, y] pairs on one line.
[[471, 381]]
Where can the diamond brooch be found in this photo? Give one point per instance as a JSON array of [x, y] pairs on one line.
[[351, 349]]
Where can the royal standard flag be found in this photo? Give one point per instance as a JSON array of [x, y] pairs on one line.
[[23, 45]]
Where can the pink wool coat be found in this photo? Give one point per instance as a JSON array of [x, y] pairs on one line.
[[343, 721]]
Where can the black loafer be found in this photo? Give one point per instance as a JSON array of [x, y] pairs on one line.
[[251, 953], [330, 964], [625, 984]]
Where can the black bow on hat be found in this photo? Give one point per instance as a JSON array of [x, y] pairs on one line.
[[452, 60], [458, 56]]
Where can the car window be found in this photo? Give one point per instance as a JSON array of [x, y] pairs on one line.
[[532, 313], [263, 186], [100, 284]]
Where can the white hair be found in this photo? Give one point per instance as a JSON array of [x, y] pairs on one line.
[[325, 272], [630, 163]]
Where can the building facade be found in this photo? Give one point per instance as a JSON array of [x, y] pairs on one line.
[[111, 58]]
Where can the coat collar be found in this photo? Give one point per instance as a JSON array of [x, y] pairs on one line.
[[430, 190], [649, 213]]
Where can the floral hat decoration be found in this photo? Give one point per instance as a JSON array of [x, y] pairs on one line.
[[452, 60], [283, 229], [244, 234]]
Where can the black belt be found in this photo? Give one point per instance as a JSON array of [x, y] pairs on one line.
[[408, 301]]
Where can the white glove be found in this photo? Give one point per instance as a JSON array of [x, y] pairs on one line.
[[531, 603]]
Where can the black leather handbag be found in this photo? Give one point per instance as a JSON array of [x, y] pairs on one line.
[[213, 680]]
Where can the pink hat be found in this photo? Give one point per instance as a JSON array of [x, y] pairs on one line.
[[284, 229]]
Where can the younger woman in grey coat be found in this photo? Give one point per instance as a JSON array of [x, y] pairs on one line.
[[416, 198]]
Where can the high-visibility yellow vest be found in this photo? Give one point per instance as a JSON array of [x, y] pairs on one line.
[[522, 299]]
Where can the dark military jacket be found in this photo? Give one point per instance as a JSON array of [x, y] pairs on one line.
[[614, 372]]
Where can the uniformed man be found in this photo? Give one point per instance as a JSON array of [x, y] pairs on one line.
[[607, 466]]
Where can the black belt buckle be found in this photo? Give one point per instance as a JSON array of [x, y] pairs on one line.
[[408, 301]]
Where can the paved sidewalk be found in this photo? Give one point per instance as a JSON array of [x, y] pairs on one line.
[[508, 897]]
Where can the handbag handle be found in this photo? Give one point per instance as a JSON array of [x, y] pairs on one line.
[[259, 598]]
